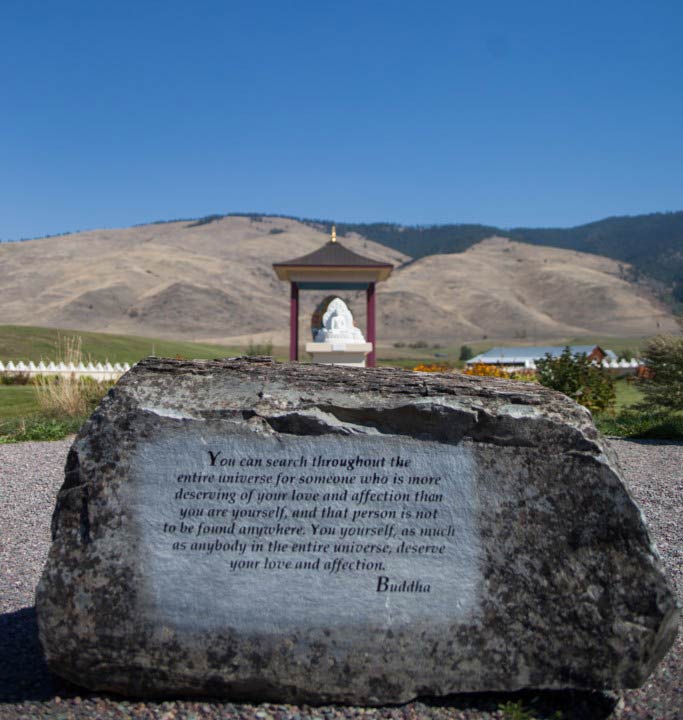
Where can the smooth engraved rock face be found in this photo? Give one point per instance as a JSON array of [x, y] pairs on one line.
[[305, 533], [275, 520]]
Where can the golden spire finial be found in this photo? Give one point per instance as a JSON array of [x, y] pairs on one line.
[[334, 233]]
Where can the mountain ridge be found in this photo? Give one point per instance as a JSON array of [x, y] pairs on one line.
[[214, 282], [651, 243]]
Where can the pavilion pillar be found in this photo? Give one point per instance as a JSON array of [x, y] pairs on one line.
[[294, 322], [371, 360]]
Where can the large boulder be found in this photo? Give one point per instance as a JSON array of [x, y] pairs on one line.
[[292, 532]]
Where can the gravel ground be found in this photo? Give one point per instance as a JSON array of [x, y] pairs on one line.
[[30, 475]]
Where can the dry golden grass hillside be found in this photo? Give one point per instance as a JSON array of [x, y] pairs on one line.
[[214, 282], [512, 290]]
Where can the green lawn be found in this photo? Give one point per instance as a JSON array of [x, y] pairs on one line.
[[407, 357], [17, 401], [628, 394], [21, 418], [19, 342], [626, 421]]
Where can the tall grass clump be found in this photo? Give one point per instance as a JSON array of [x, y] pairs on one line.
[[68, 395]]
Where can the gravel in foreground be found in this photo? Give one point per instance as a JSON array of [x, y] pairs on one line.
[[31, 474]]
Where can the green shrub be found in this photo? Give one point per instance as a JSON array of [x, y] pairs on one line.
[[645, 425], [265, 348], [15, 378], [579, 378], [466, 353], [38, 428], [627, 354]]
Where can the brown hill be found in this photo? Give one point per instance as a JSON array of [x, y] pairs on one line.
[[215, 282], [512, 290]]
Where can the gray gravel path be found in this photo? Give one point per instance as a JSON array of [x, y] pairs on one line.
[[30, 475]]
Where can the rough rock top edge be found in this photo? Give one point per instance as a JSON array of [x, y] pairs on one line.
[[309, 399]]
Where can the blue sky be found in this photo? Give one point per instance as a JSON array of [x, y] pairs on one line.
[[508, 113]]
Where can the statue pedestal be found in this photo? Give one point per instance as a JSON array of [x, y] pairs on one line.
[[339, 353]]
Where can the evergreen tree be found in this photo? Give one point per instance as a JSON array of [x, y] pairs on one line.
[[664, 388]]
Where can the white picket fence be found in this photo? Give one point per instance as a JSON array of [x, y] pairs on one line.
[[625, 365], [98, 371]]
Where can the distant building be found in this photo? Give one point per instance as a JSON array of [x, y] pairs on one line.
[[525, 358]]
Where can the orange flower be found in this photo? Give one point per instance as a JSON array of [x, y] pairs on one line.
[[484, 370], [434, 367]]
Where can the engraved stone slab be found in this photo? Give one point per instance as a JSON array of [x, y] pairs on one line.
[[305, 533], [385, 527]]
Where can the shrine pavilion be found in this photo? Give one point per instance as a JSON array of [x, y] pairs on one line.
[[332, 267]]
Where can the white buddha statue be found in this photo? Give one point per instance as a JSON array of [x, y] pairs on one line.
[[338, 325]]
